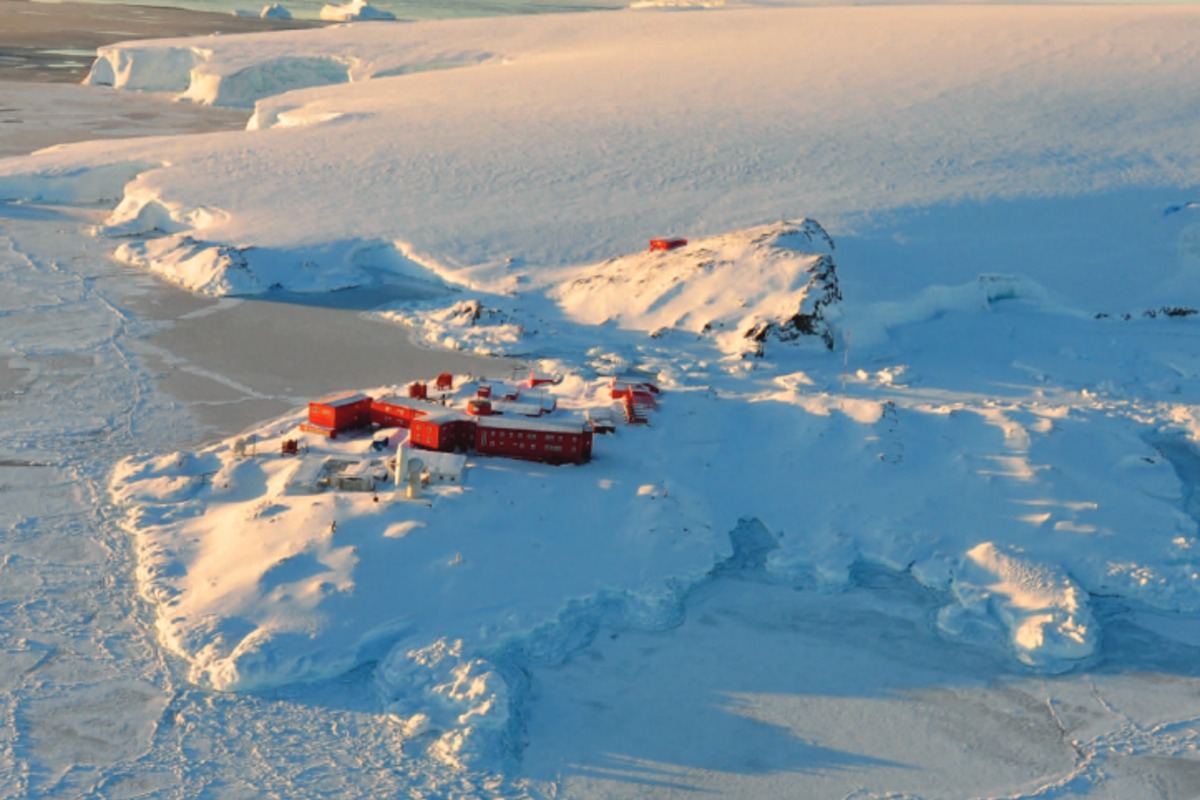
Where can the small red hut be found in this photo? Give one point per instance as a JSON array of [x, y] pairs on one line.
[[479, 407], [620, 388], [666, 244]]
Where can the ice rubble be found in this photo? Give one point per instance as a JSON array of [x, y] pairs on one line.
[[1046, 614], [354, 11]]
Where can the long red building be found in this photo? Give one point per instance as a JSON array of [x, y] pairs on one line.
[[529, 439], [534, 440]]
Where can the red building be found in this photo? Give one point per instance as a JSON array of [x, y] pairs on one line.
[[479, 407], [623, 387], [536, 380], [534, 440], [399, 412], [442, 430], [666, 244], [337, 413]]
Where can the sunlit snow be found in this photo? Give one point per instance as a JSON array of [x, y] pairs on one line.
[[931, 339]]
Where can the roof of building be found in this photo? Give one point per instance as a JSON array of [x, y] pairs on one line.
[[440, 415], [405, 402], [343, 399], [440, 463], [526, 424], [358, 469], [307, 470], [517, 407]]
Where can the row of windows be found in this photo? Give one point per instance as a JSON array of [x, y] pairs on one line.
[[531, 437], [547, 437]]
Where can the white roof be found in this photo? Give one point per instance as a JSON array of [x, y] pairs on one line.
[[344, 399], [517, 407], [406, 402], [307, 472], [440, 463], [439, 414], [358, 469], [525, 424]]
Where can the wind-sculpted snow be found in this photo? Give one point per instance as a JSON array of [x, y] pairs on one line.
[[99, 183], [243, 88]]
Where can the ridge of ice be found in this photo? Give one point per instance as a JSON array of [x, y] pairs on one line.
[[1045, 612], [354, 11]]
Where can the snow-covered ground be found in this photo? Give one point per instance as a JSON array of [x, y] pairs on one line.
[[915, 514]]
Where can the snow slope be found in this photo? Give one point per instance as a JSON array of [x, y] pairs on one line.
[[558, 143]]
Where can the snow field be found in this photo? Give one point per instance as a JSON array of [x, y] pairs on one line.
[[1005, 415], [945, 105]]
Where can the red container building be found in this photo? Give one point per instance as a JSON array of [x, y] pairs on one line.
[[534, 440], [398, 412], [478, 406], [341, 412], [442, 430], [620, 388], [666, 244]]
